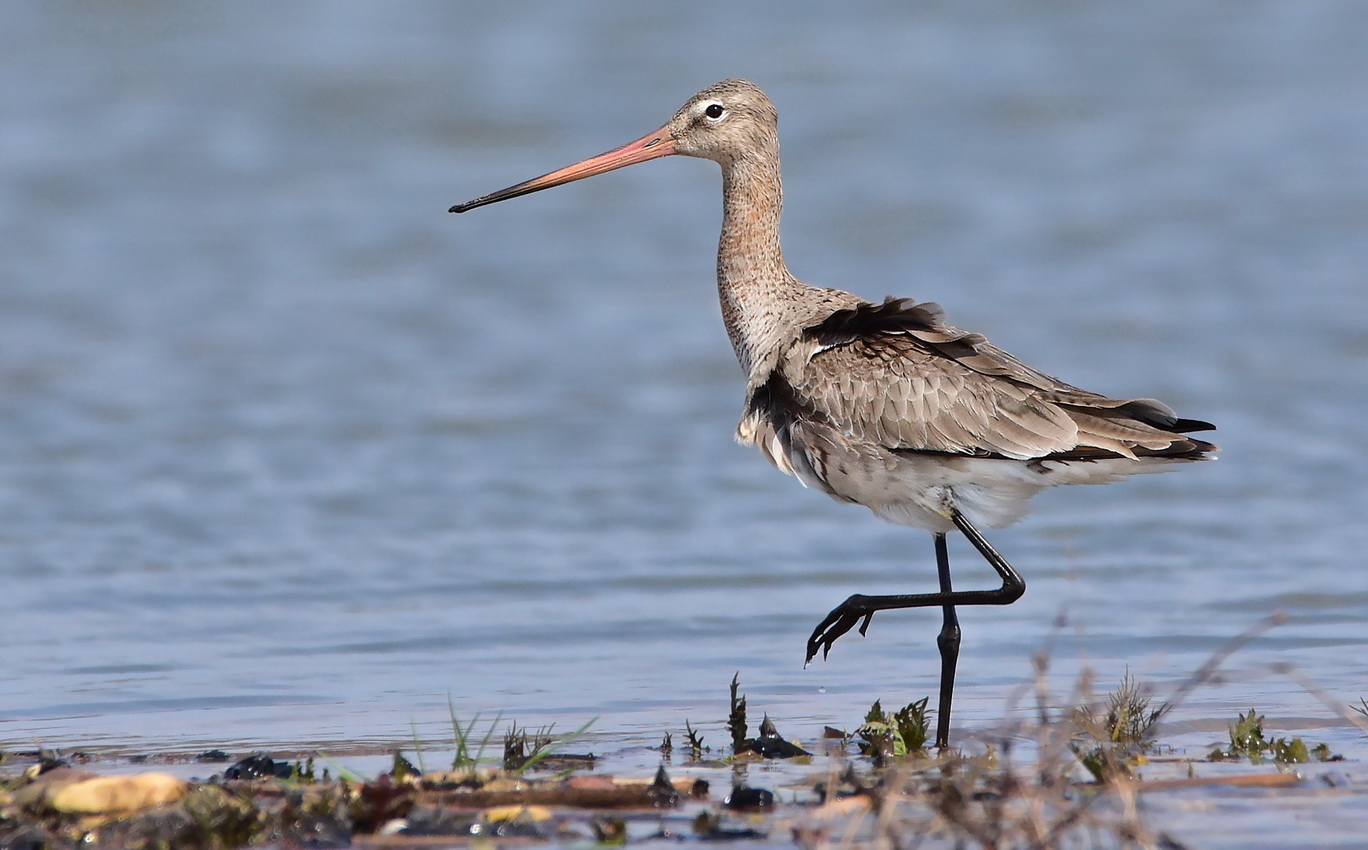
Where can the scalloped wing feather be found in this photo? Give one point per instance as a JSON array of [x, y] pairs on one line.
[[895, 374]]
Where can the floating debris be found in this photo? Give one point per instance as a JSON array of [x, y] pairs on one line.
[[116, 794], [259, 766], [770, 744], [710, 827], [610, 831], [747, 799], [403, 769]]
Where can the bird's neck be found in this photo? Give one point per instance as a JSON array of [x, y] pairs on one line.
[[754, 285]]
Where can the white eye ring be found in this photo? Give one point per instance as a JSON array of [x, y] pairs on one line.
[[714, 111]]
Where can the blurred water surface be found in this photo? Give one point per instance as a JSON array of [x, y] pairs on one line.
[[288, 454]]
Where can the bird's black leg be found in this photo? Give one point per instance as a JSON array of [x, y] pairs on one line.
[[861, 608], [948, 641]]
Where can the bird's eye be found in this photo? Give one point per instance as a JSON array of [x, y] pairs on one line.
[[714, 111]]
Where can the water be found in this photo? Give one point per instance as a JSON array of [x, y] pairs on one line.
[[289, 455]]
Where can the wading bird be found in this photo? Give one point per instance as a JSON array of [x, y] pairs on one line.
[[885, 405]]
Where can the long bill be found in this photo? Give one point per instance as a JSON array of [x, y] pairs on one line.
[[652, 146]]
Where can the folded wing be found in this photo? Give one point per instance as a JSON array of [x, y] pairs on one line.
[[895, 375]]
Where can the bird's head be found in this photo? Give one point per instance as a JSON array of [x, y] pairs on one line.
[[726, 121]]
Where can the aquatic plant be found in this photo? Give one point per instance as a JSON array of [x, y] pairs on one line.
[[522, 753], [695, 742], [1111, 743], [902, 733], [1247, 740], [736, 718], [463, 759], [768, 744]]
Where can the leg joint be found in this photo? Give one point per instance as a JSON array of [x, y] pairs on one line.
[[1013, 588]]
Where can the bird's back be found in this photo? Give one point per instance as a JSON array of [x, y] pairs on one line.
[[888, 406]]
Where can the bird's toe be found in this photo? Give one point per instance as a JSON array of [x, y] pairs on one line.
[[842, 619]]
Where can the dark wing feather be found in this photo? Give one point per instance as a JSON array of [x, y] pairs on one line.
[[895, 374]]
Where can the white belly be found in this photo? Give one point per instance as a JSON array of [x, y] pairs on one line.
[[920, 489]]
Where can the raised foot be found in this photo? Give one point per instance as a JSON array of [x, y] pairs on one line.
[[841, 620]]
